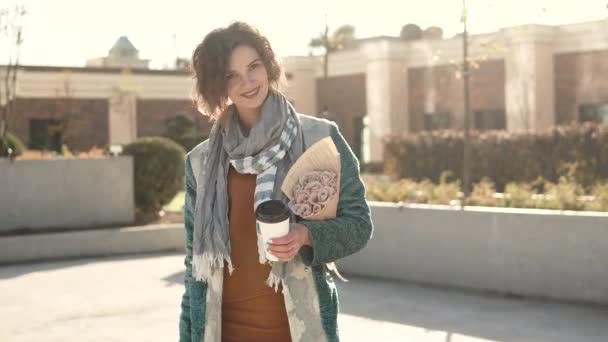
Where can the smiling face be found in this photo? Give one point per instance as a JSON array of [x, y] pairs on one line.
[[246, 80]]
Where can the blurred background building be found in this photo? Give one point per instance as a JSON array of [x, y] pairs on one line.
[[523, 78], [112, 100]]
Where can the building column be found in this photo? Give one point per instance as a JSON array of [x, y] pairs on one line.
[[122, 117], [301, 83], [529, 88], [386, 87]]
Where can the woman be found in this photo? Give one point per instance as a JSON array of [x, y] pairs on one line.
[[232, 293]]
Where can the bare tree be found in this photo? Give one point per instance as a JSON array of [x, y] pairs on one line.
[[340, 39], [11, 32], [68, 120]]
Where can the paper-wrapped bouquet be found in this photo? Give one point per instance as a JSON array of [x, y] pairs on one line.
[[313, 182], [313, 185]]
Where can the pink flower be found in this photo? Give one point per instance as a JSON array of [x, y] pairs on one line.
[[316, 208], [312, 193], [301, 209], [313, 186], [327, 177], [314, 196], [302, 197], [312, 176], [323, 195]]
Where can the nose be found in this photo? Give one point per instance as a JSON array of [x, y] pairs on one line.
[[249, 79]]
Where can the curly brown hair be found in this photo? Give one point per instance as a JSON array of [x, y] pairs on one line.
[[210, 63]]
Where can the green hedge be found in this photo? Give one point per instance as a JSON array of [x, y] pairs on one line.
[[501, 156], [183, 131], [158, 172], [14, 143]]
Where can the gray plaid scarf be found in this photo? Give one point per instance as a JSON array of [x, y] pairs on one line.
[[268, 151], [264, 163]]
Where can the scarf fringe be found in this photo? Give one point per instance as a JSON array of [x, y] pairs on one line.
[[203, 265], [261, 248], [274, 281], [333, 267]]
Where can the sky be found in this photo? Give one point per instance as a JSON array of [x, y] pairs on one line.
[[68, 32]]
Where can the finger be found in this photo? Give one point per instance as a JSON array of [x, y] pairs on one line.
[[283, 254], [287, 257], [282, 248], [283, 240]]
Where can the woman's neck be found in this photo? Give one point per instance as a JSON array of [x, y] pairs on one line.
[[248, 117]]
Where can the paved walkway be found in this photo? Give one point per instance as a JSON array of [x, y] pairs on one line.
[[136, 299]]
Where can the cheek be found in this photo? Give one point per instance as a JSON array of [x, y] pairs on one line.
[[232, 89], [261, 75]]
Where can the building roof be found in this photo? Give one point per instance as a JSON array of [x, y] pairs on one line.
[[123, 46], [101, 70]]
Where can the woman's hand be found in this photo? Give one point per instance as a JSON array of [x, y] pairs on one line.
[[286, 247]]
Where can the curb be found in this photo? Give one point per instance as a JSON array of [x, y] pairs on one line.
[[92, 243]]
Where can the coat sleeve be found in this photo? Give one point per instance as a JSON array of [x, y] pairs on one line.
[[352, 228], [190, 189]]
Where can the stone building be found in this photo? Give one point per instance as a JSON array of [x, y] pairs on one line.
[[112, 100], [523, 78]]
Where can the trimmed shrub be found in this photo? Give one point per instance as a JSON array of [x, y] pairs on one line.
[[503, 157], [158, 172], [14, 143], [182, 130]]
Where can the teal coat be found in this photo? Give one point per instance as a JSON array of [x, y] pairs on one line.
[[332, 239]]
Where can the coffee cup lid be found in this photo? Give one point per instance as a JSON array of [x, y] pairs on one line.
[[272, 211]]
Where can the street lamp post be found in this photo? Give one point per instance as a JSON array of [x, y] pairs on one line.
[[466, 167]]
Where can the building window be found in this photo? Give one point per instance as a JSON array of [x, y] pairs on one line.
[[436, 121], [490, 120], [593, 113], [44, 135]]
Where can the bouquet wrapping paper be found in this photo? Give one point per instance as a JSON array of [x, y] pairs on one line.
[[313, 182]]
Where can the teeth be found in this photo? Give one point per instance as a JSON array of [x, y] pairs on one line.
[[251, 92]]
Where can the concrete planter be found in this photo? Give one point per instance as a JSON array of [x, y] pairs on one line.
[[65, 193], [529, 252]]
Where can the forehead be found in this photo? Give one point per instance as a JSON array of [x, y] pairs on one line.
[[241, 56]]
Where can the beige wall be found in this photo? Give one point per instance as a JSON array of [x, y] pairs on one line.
[[529, 81], [86, 84], [118, 62], [386, 93], [301, 88], [122, 117]]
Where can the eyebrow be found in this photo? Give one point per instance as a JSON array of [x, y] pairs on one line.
[[252, 62], [255, 60]]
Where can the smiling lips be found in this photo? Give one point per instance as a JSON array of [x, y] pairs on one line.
[[251, 94]]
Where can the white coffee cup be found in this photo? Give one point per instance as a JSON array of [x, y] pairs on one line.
[[273, 219]]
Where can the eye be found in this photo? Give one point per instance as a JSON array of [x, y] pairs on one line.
[[254, 66], [229, 76]]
